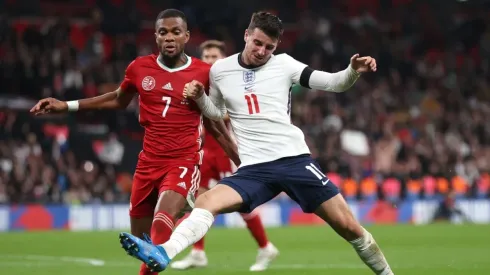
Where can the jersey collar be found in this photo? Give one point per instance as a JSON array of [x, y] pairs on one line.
[[172, 70], [249, 67]]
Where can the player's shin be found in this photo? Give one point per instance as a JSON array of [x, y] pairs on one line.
[[370, 253], [189, 231], [256, 228], [161, 228]]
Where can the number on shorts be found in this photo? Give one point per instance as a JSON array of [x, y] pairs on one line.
[[184, 171], [313, 169], [167, 100]]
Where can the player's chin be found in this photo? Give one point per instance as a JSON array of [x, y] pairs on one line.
[[170, 53], [258, 61]]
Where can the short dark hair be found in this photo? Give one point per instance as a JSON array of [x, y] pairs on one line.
[[209, 44], [171, 13], [268, 23]]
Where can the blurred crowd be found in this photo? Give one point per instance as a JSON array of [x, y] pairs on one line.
[[422, 117]]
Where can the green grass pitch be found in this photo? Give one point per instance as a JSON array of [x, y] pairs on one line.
[[435, 249]]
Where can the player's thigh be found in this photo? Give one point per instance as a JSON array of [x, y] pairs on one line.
[[254, 185], [219, 200], [304, 182], [178, 189], [143, 197], [337, 214]]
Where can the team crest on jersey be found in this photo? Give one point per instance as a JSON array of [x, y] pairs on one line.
[[148, 83], [248, 76]]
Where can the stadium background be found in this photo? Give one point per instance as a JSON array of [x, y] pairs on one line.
[[403, 143]]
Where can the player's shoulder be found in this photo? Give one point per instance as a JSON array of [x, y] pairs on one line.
[[283, 58], [225, 64], [143, 61], [198, 64]]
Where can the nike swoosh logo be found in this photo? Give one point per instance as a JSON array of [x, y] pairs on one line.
[[248, 87], [325, 182]]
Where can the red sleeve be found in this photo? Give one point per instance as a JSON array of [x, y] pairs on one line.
[[129, 82]]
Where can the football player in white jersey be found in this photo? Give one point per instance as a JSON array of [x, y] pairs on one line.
[[215, 166], [253, 88]]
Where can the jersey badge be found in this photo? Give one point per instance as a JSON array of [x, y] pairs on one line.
[[148, 83], [248, 76]]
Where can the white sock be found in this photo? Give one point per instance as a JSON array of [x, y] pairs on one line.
[[370, 253], [189, 231]]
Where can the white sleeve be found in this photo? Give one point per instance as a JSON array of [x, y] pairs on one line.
[[212, 106], [320, 80]]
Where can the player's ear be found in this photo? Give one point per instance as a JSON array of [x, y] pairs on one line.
[[187, 36], [245, 37]]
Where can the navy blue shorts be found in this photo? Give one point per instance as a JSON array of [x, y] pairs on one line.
[[299, 177]]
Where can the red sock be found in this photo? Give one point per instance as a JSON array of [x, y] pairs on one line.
[[254, 224], [162, 227], [199, 245], [145, 271]]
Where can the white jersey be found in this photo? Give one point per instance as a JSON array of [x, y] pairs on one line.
[[258, 102]]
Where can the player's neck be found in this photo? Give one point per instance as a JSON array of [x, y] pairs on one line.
[[173, 62]]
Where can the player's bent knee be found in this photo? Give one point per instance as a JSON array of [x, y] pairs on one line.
[[172, 203], [221, 199], [201, 191]]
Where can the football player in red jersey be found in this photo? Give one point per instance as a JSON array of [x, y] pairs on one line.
[[215, 166], [167, 174]]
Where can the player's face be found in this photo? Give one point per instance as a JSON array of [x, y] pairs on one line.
[[258, 46], [211, 55], [171, 35]]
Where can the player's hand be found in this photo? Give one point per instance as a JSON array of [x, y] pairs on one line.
[[363, 64], [49, 105], [193, 90]]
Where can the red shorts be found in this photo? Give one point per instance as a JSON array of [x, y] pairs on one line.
[[150, 182], [215, 166]]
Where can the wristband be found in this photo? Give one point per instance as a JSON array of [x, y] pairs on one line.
[[73, 105]]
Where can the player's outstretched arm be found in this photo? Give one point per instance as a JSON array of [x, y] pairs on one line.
[[212, 107], [332, 82], [218, 130], [117, 99]]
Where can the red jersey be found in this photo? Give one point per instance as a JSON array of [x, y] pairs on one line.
[[172, 124]]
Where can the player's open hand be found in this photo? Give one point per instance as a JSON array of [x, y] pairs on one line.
[[193, 90], [363, 64], [49, 105]]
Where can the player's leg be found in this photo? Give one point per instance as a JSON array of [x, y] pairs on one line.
[[307, 185], [196, 257], [209, 178], [142, 202], [337, 214], [267, 251], [222, 199], [199, 245], [177, 191], [243, 191]]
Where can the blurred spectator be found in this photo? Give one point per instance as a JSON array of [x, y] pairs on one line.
[[418, 124]]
